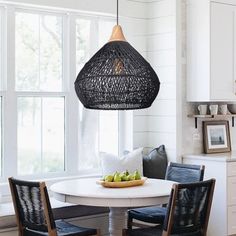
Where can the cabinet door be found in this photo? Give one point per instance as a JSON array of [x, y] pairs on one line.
[[223, 58], [231, 190], [231, 220]]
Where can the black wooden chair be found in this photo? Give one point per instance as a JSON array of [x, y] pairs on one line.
[[187, 213], [34, 214], [181, 173]]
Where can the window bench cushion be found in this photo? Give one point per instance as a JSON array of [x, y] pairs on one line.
[[61, 210]]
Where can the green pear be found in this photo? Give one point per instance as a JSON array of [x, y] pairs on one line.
[[124, 177], [116, 173], [130, 177], [137, 175], [117, 177], [109, 178]]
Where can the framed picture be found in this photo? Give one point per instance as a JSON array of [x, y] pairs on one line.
[[216, 136]]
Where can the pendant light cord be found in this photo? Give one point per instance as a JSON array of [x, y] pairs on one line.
[[117, 12]]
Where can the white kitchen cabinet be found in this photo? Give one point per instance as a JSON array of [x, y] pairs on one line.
[[211, 51], [222, 167]]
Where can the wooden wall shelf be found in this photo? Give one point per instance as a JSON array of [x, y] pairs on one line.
[[196, 117]]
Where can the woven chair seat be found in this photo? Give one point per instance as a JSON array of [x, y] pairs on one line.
[[154, 231], [155, 215], [145, 232], [64, 229]]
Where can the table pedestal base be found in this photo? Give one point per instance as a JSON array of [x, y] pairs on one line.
[[117, 220]]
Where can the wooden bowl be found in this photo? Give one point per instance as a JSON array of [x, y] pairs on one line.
[[123, 184]]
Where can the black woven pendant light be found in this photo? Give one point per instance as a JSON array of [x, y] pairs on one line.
[[117, 77]]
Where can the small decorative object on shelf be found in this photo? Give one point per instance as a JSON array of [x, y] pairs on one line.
[[216, 136], [232, 108], [202, 109], [213, 109], [223, 109]]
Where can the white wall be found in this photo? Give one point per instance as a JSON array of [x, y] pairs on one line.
[[129, 8], [158, 124], [192, 139]]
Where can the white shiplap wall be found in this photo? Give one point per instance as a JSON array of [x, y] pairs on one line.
[[133, 20], [157, 125]]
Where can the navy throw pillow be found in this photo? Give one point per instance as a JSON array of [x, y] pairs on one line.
[[155, 163]]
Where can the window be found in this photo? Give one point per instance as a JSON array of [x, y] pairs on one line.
[[104, 31], [40, 135], [46, 131], [98, 129], [38, 52], [83, 45], [108, 120], [2, 45], [40, 123], [108, 132]]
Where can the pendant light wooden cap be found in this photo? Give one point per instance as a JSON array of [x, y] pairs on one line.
[[117, 34]]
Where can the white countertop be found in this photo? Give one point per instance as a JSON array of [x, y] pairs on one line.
[[221, 157]]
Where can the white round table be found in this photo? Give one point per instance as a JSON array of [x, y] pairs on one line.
[[85, 191]]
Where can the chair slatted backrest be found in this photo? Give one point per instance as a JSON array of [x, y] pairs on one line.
[[32, 206], [184, 173], [189, 208]]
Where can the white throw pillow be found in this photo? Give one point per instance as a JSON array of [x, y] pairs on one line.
[[131, 162]]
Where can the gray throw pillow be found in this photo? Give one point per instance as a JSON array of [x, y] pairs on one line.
[[155, 163]]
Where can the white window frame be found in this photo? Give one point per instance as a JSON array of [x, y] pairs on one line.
[[9, 96], [3, 64], [10, 112], [2, 47]]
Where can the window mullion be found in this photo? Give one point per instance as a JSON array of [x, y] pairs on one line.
[[3, 41], [42, 134], [10, 103], [71, 102], [65, 51]]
